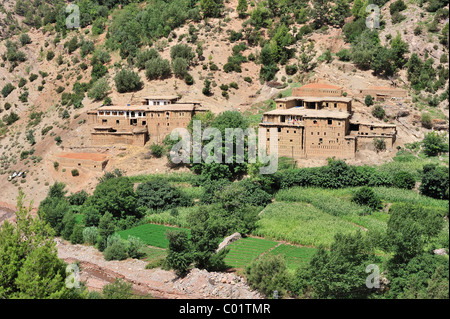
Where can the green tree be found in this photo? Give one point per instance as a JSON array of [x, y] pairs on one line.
[[128, 81], [211, 8], [340, 273], [404, 179], [435, 181], [115, 195], [434, 144], [368, 100], [29, 264], [367, 197], [378, 111], [158, 194], [99, 89], [119, 289], [267, 274], [179, 252], [106, 228], [242, 8]]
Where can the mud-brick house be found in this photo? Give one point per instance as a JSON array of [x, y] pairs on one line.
[[151, 120], [322, 127]]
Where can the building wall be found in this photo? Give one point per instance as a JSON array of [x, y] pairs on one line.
[[326, 138], [290, 141], [367, 142], [316, 92], [388, 92], [109, 138], [81, 163]]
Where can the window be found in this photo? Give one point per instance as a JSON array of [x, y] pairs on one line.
[[320, 140], [279, 129], [287, 131], [295, 132], [324, 133], [117, 122], [335, 105], [330, 122], [104, 121], [291, 141], [144, 122], [312, 133], [268, 130], [318, 133], [314, 122], [371, 128]]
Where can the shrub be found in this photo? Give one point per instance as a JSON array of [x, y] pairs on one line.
[[25, 39], [158, 194], [77, 235], [267, 274], [7, 89], [344, 55], [75, 172], [50, 55], [33, 77], [55, 165], [426, 120], [366, 196], [135, 247], [404, 180], [188, 79], [368, 100], [379, 112], [379, 144], [90, 235], [117, 250], [144, 56], [157, 150], [435, 181], [248, 79], [157, 68], [22, 82], [234, 85], [179, 253], [207, 87], [11, 118], [182, 51], [180, 67], [291, 69], [128, 81], [99, 89], [434, 143]]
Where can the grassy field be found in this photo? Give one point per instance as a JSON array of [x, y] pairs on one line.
[[244, 251], [301, 223], [150, 234], [294, 256]]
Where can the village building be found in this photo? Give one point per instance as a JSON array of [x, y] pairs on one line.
[[322, 126], [152, 120], [91, 161], [383, 93]]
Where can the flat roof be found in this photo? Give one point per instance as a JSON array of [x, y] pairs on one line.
[[320, 86], [316, 99], [161, 97], [369, 123], [310, 113], [84, 156], [155, 108]]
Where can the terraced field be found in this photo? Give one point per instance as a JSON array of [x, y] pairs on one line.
[[293, 255], [244, 251], [150, 234]]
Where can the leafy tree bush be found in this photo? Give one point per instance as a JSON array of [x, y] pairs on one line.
[[379, 112], [344, 55], [157, 68], [157, 150], [7, 89], [119, 289], [339, 273], [116, 249], [180, 67], [179, 253], [99, 89], [368, 100], [434, 144], [135, 247], [366, 196], [426, 120], [404, 179], [10, 118], [379, 144], [90, 235], [183, 51], [116, 196], [78, 198], [75, 172], [435, 181], [25, 39], [267, 274], [158, 194], [128, 81], [77, 235]]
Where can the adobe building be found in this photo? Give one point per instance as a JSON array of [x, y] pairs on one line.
[[383, 93], [92, 161], [318, 90], [322, 127], [152, 120]]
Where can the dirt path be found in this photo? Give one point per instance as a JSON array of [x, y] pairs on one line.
[[198, 284]]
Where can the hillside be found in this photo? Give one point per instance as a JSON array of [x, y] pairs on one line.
[[54, 103]]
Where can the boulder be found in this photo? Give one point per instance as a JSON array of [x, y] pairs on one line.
[[228, 240], [403, 113]]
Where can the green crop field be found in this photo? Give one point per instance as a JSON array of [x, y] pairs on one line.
[[294, 256], [244, 251], [150, 234], [301, 223]]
